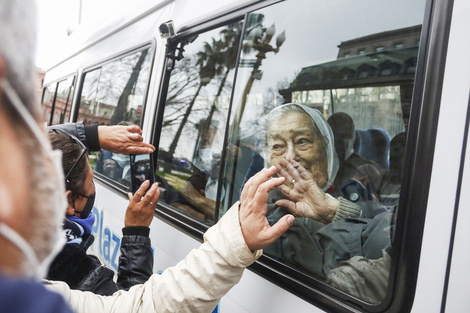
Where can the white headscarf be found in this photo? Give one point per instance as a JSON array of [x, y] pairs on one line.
[[320, 122]]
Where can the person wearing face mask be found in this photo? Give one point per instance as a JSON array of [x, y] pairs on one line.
[[73, 265], [32, 190]]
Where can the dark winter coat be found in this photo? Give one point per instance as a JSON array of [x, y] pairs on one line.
[[85, 272]]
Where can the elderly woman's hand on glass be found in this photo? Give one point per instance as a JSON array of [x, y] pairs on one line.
[[306, 198]]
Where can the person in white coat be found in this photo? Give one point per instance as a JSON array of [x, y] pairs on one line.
[[33, 203], [197, 283]]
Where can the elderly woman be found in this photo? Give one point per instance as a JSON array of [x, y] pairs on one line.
[[300, 143]]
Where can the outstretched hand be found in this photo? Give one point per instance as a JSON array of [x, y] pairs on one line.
[[123, 139], [253, 206], [306, 197], [141, 208]]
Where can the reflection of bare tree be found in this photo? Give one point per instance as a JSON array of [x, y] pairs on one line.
[[110, 92], [184, 77], [258, 40], [231, 38], [121, 108], [207, 62], [217, 58]]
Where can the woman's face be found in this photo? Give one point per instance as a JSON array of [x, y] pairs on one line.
[[294, 137], [89, 186]]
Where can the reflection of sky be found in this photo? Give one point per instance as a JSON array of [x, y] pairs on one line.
[[312, 37], [188, 139]]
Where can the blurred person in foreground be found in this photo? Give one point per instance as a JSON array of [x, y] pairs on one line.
[[33, 205]]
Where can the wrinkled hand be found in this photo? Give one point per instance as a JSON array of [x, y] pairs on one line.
[[252, 213], [141, 208], [306, 198], [123, 139]]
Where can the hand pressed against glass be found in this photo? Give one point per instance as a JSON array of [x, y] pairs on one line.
[[295, 137]]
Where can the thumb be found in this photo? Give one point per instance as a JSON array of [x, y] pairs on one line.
[[276, 231]]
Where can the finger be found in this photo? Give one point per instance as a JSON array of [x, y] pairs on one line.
[[262, 192], [141, 148], [289, 205], [134, 129], [284, 189], [246, 188], [258, 179], [149, 195], [302, 171], [293, 171], [276, 231], [130, 196], [156, 195], [135, 137], [141, 191], [284, 173]]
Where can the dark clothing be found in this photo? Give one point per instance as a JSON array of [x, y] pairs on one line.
[[316, 248], [20, 296], [85, 272], [88, 135]]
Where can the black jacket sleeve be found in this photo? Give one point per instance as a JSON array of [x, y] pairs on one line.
[[88, 135], [136, 260]]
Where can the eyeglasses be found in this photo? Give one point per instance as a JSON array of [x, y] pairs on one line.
[[77, 141], [84, 151]]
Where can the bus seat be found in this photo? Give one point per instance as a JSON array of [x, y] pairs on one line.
[[373, 144]]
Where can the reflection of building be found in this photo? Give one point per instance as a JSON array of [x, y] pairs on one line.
[[372, 77], [40, 79], [385, 41], [96, 113]]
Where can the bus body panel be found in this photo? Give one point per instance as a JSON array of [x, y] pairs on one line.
[[446, 168], [255, 293]]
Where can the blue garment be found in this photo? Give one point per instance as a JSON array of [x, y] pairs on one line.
[[75, 228], [24, 296]]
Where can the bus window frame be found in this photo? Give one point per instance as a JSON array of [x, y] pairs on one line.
[[57, 82], [186, 223], [422, 128], [151, 45]]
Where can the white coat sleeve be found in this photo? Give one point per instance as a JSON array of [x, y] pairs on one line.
[[195, 284]]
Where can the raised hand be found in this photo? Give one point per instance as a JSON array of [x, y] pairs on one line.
[[123, 139], [141, 208], [306, 199], [252, 213]]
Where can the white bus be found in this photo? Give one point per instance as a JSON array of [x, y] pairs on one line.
[[200, 91]]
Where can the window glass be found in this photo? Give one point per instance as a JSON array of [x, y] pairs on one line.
[[63, 102], [316, 97], [194, 122], [114, 94], [48, 101]]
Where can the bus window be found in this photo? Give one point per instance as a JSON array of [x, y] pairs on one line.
[[114, 94], [63, 102], [194, 122], [48, 95], [323, 92]]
